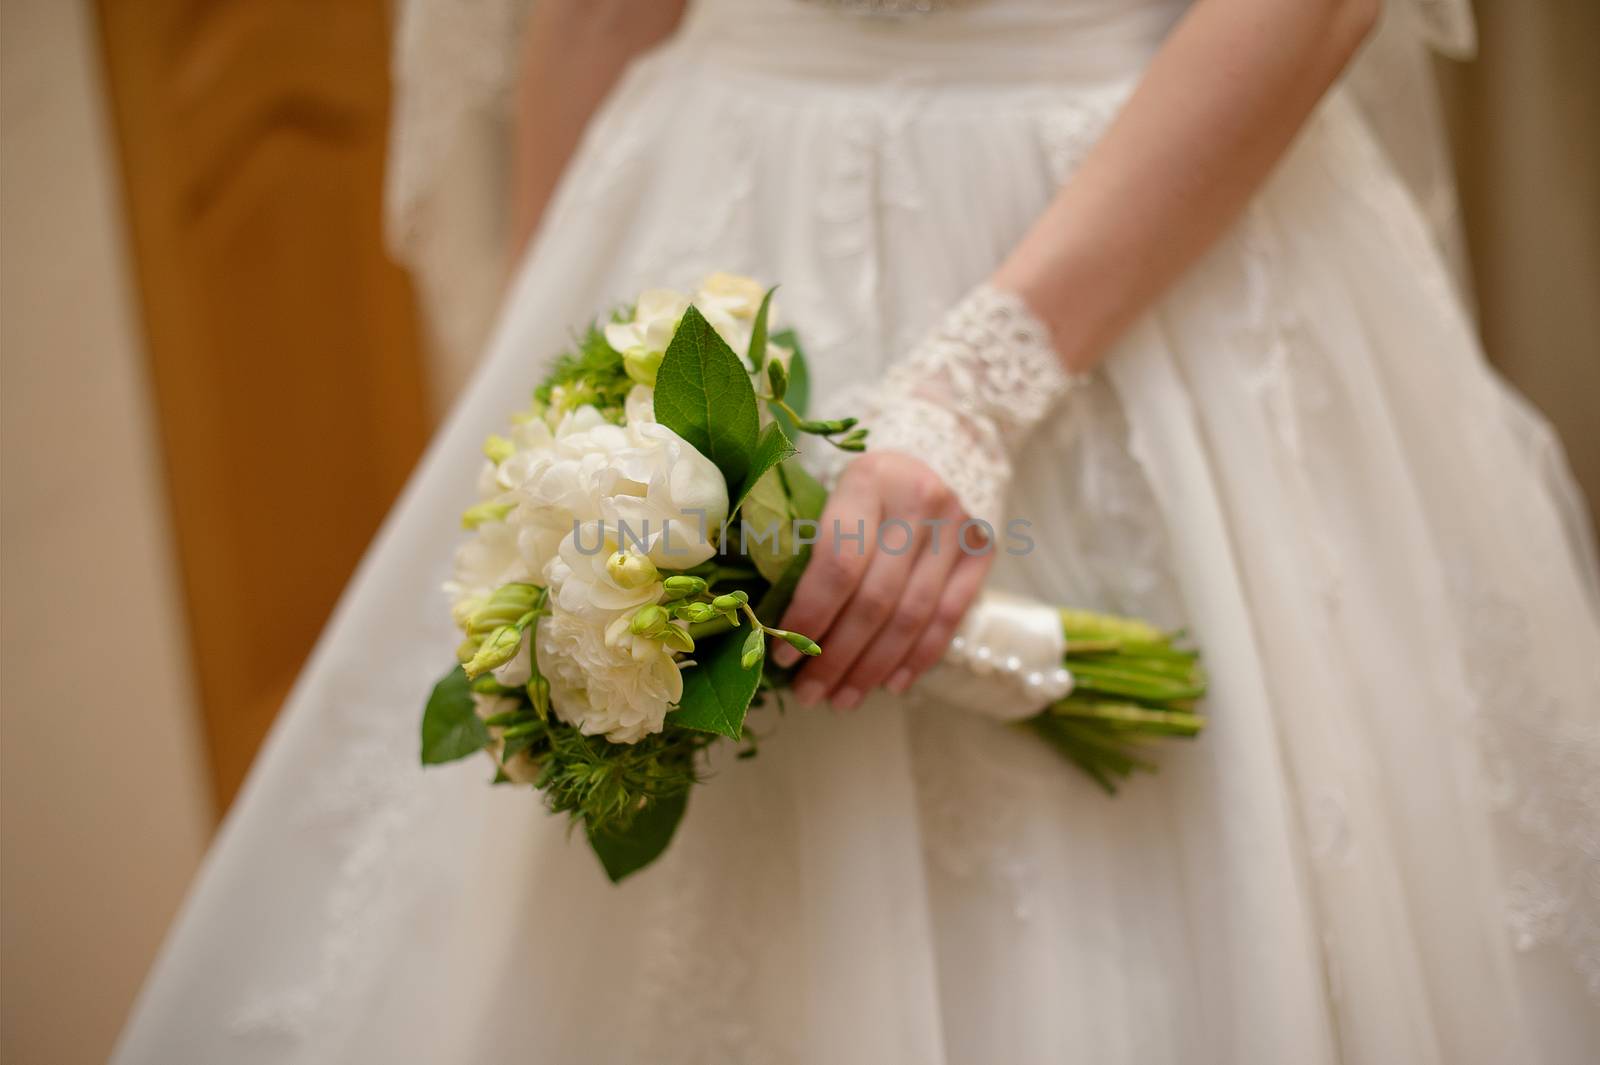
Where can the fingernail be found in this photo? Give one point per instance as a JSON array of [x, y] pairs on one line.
[[846, 698], [901, 681], [808, 692], [785, 655]]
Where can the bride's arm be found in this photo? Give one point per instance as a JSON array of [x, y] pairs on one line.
[[573, 51], [1217, 107]]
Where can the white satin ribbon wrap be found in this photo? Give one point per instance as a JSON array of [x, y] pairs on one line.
[[1005, 661]]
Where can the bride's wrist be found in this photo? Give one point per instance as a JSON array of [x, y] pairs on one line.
[[1043, 302], [967, 396]]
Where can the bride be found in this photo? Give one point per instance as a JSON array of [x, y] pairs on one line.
[[1135, 270]]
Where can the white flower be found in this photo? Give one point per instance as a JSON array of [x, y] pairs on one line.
[[736, 296], [489, 558], [666, 496], [581, 578], [621, 688], [645, 483], [643, 339], [730, 303]]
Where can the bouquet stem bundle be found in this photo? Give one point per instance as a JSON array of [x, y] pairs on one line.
[[1130, 685]]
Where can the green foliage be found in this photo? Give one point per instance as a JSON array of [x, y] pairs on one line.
[[703, 394], [594, 373], [624, 851], [605, 784], [758, 333], [797, 393], [717, 691], [451, 728], [772, 447], [601, 784]]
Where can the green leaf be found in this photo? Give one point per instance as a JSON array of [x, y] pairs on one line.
[[451, 728], [758, 332], [625, 851], [703, 393], [798, 394], [717, 691], [771, 448]]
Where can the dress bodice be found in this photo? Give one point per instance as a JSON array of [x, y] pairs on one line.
[[936, 40]]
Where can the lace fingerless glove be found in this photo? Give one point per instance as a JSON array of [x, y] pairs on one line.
[[968, 395]]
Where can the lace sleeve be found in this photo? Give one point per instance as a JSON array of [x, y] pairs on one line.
[[967, 396]]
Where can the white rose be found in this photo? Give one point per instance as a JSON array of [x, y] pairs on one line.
[[557, 483], [650, 488], [739, 297], [621, 689], [730, 303], [667, 497]]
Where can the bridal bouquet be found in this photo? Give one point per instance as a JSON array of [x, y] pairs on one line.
[[640, 530]]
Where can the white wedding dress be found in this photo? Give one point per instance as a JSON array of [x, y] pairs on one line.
[[1385, 849]]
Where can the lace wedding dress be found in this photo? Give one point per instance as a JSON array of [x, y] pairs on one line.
[[1384, 849]]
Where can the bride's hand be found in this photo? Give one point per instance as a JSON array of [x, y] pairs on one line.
[[888, 581]]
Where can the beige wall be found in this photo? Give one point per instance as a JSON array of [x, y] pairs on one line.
[[103, 814], [1525, 120]]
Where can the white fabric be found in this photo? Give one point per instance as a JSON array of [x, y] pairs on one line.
[[1384, 849], [1004, 661]]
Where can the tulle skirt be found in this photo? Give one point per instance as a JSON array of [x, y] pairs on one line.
[[1384, 849]]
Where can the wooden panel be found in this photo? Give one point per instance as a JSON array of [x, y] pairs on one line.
[[283, 344]]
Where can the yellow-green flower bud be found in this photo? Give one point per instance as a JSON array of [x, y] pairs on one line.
[[475, 516], [677, 637], [630, 570], [505, 606], [732, 601], [497, 449], [649, 621], [641, 365], [755, 646], [461, 613], [827, 428], [681, 587], [696, 612], [777, 379], [804, 644], [500, 648], [539, 694]]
